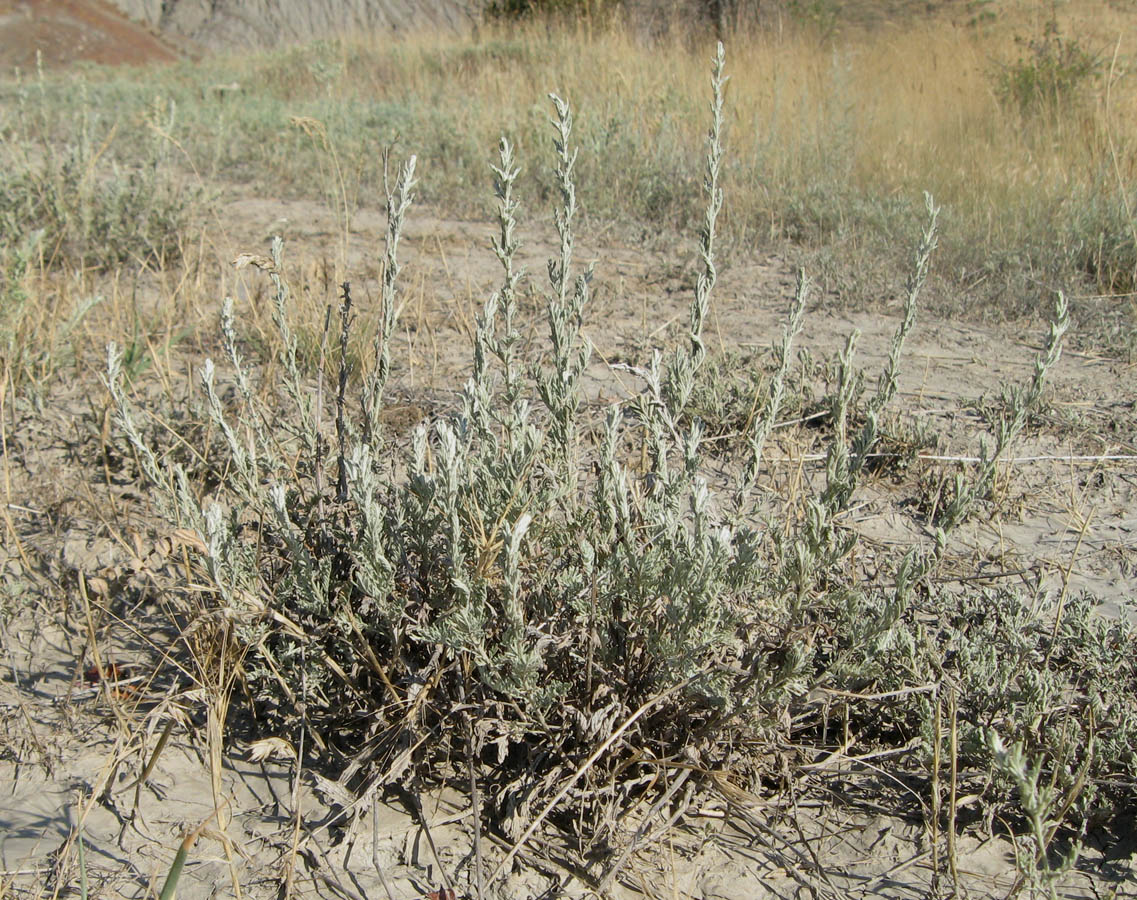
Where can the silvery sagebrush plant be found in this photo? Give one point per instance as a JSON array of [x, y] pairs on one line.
[[1020, 403], [478, 556], [1044, 807], [507, 565], [490, 551]]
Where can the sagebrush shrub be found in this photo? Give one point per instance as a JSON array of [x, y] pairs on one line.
[[562, 588]]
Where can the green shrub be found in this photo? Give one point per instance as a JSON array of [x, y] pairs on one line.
[[1052, 71]]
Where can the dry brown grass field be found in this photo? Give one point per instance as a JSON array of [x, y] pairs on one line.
[[697, 504]]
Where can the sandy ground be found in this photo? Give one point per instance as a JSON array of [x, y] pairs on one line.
[[73, 748]]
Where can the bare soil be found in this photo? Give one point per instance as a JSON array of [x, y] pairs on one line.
[[63, 32], [91, 567]]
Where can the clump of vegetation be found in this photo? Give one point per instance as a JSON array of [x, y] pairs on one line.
[[1051, 72], [90, 211], [575, 608], [14, 293]]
